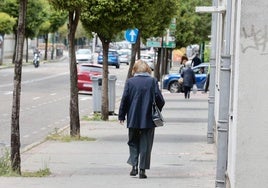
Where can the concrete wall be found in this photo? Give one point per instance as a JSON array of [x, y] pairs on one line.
[[248, 142]]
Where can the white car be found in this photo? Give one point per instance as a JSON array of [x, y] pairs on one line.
[[148, 59], [84, 56], [124, 55]]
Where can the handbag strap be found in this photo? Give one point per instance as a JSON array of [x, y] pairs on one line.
[[153, 92]]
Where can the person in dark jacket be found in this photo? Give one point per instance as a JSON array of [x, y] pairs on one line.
[[196, 61], [136, 104], [188, 76]]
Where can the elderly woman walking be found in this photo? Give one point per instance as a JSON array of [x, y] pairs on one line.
[[136, 104], [188, 76]]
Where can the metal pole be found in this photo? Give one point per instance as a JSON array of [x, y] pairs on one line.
[[161, 62], [212, 77], [224, 97]]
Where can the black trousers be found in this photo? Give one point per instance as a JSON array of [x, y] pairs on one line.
[[140, 142], [187, 91]]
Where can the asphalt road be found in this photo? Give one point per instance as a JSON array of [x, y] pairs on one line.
[[44, 100]]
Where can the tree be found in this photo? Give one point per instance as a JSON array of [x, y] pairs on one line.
[[107, 18], [192, 28], [6, 25], [74, 12], [15, 118], [37, 13], [56, 19], [44, 30], [152, 20]]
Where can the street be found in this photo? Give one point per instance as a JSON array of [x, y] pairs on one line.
[[44, 100]]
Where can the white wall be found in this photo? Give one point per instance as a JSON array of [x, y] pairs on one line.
[[248, 142]]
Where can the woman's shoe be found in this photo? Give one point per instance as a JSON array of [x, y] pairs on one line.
[[134, 171], [142, 174]]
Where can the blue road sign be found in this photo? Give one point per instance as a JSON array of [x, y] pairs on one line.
[[131, 35]]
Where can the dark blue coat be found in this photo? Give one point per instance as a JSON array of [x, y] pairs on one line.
[[137, 99], [188, 76]]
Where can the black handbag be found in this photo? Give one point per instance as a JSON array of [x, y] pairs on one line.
[[156, 113]]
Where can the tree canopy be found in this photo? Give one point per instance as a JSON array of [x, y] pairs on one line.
[[6, 23], [192, 27]]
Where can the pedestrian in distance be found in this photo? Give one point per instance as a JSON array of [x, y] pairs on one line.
[[188, 76], [184, 59], [136, 105], [196, 60]]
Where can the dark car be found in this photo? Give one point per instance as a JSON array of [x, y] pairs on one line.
[[113, 58], [170, 81], [85, 72]]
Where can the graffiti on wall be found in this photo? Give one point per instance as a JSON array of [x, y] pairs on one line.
[[254, 39]]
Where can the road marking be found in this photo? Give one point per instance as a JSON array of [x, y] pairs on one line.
[[53, 94], [36, 80], [36, 98], [26, 136], [8, 93]]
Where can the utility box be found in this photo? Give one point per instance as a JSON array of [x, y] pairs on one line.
[[97, 93]]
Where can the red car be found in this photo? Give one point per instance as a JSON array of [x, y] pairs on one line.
[[85, 72]]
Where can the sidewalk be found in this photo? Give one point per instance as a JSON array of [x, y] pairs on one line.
[[8, 62], [181, 156]]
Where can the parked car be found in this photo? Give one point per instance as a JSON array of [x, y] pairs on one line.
[[124, 55], [170, 81], [85, 72], [84, 56], [148, 59], [113, 58]]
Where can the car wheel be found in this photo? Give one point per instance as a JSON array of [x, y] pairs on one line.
[[174, 87], [117, 66]]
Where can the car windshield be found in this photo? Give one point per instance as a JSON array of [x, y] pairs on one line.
[[110, 53], [200, 70], [90, 69], [83, 51]]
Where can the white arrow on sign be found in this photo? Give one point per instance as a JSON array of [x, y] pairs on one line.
[[132, 35]]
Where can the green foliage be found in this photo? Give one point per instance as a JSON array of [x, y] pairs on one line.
[[107, 18], [61, 136], [6, 23], [68, 5], [40, 16], [40, 173], [57, 19], [10, 7], [6, 169], [5, 164], [155, 20], [192, 27], [36, 15], [207, 54], [95, 117], [81, 32]]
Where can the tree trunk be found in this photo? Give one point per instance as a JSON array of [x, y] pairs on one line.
[[135, 49], [74, 106], [27, 50], [105, 99], [46, 43], [2, 49], [53, 47], [15, 127]]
